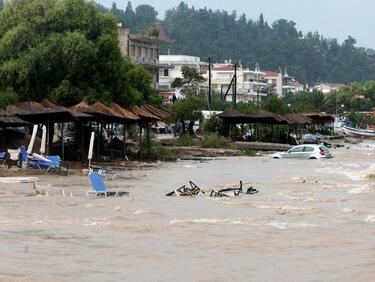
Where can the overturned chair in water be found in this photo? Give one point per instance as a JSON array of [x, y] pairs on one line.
[[52, 164], [232, 192], [184, 191], [99, 187]]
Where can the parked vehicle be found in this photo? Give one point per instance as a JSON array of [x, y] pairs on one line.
[[314, 139], [305, 152]]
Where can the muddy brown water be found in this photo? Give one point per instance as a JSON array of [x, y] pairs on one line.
[[312, 221]]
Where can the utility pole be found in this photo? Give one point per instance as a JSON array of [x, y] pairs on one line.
[[209, 84], [235, 87]]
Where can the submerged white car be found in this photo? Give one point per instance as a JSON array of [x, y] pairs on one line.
[[305, 152]]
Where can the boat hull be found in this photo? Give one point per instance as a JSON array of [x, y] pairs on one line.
[[358, 132]]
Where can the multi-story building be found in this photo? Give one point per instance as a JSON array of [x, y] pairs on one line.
[[251, 84], [172, 70], [142, 50], [282, 84]]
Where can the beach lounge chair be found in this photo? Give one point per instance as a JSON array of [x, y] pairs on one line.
[[99, 188], [50, 163], [36, 161], [107, 173]]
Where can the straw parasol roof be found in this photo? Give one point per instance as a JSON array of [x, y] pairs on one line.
[[24, 108], [234, 116], [54, 107], [298, 119], [319, 118], [39, 113], [99, 111], [267, 117], [104, 109], [127, 114], [7, 120], [156, 111], [144, 115]]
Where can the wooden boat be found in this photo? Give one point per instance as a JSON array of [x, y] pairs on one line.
[[350, 131]]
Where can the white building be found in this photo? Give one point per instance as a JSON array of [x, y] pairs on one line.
[[175, 64], [251, 84], [327, 88], [282, 84]]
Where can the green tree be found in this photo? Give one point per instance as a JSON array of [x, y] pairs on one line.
[[188, 110], [129, 16], [190, 82], [65, 50], [145, 16], [275, 105], [311, 58]]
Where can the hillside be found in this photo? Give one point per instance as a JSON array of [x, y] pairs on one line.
[[222, 36]]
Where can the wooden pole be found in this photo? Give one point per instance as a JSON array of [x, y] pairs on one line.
[[98, 139], [82, 141], [111, 141], [148, 140], [3, 137], [140, 141], [62, 141], [230, 129], [124, 141]]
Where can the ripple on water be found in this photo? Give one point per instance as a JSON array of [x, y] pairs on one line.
[[210, 221], [290, 225], [243, 222], [361, 189]]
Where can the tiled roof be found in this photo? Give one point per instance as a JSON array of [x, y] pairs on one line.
[[271, 74]]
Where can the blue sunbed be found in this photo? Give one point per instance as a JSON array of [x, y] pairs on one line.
[[99, 188], [48, 162], [3, 158]]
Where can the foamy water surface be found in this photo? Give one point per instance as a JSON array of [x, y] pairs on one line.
[[312, 221]]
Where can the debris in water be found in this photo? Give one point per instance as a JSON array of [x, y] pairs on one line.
[[185, 191]]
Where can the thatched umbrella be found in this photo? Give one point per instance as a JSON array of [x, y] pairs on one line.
[[162, 114], [146, 117], [319, 118], [7, 120], [297, 119], [130, 118], [233, 117]]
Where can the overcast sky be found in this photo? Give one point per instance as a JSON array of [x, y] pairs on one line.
[[332, 18]]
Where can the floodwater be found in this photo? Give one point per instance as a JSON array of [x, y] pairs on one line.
[[312, 221]]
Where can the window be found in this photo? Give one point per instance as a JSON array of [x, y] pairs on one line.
[[296, 150], [166, 72], [308, 149]]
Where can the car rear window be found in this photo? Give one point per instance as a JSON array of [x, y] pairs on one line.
[[324, 148]]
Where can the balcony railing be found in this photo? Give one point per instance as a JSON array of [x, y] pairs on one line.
[[145, 60]]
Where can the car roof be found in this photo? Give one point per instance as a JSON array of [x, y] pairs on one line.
[[308, 145]]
